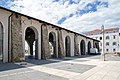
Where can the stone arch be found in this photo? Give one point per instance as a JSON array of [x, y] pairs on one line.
[[52, 43], [31, 37], [67, 46], [82, 47], [1, 42], [88, 47]]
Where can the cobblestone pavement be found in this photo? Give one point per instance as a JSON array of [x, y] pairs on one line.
[[69, 68]]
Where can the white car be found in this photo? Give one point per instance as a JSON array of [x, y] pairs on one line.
[[93, 51]]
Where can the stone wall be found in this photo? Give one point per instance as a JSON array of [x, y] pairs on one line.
[[45, 43], [76, 46], [16, 38], [61, 51]]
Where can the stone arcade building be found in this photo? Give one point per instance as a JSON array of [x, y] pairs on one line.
[[16, 28]]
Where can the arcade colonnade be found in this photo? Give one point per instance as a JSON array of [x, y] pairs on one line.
[[44, 40]]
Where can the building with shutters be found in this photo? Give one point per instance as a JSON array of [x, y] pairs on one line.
[[111, 38]]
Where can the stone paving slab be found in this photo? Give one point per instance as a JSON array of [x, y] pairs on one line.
[[54, 65], [87, 74], [81, 60], [37, 75], [30, 75], [15, 71], [106, 71], [57, 72], [73, 67], [79, 68]]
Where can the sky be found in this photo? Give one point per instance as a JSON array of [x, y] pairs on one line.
[[76, 15]]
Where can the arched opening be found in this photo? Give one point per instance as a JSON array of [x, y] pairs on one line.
[[89, 46], [52, 43], [67, 46], [31, 44], [82, 47], [96, 45], [1, 42]]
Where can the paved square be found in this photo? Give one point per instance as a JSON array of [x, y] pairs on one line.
[[70, 68]]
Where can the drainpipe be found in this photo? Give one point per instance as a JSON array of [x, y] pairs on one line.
[[9, 38]]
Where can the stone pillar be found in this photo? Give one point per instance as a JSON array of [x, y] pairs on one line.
[[36, 49], [61, 50], [76, 46], [45, 54], [31, 49], [16, 39], [28, 50]]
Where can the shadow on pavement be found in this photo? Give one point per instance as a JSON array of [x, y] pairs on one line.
[[26, 63], [9, 66], [82, 56], [34, 62]]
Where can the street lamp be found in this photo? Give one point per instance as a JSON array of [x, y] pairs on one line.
[[103, 46]]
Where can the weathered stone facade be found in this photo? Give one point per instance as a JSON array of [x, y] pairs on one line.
[[76, 47], [16, 38], [45, 43], [61, 52], [36, 33]]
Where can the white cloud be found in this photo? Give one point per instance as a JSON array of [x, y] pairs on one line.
[[110, 17], [53, 11], [44, 9]]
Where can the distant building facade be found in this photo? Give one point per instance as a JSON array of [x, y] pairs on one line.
[[111, 39]]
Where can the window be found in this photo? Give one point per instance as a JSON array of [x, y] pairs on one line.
[[100, 38], [114, 36], [107, 50], [107, 37], [114, 50], [106, 32], [114, 43], [107, 43]]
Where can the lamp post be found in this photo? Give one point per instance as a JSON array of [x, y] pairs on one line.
[[103, 46]]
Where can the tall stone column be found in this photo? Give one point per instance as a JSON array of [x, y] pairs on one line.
[[16, 39], [31, 49], [36, 49], [45, 54], [76, 47], [61, 50]]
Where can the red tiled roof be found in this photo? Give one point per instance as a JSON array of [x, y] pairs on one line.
[[93, 31], [111, 29], [98, 30]]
